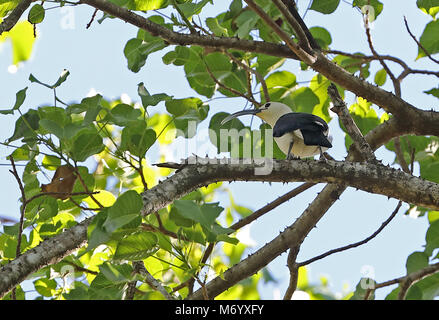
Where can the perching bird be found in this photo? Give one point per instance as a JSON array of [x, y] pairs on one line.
[[297, 134]]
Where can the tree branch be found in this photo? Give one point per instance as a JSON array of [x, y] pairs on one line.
[[369, 177], [353, 245], [294, 272], [11, 20], [343, 113]]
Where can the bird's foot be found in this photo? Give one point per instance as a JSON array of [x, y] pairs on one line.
[[292, 157]]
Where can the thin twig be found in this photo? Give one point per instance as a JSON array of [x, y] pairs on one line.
[[395, 81], [407, 281], [356, 244], [300, 33], [256, 73], [302, 54], [270, 206], [232, 90], [92, 19], [23, 208]]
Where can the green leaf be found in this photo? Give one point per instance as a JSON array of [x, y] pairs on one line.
[[189, 9], [433, 91], [22, 38], [428, 287], [429, 39], [125, 209], [430, 7], [137, 138], [146, 5], [150, 100], [432, 238], [136, 246], [36, 14], [85, 144], [96, 233], [116, 273], [380, 77], [322, 36], [325, 6], [51, 162], [190, 210], [19, 99], [6, 6], [416, 261], [45, 287], [362, 288], [302, 100], [122, 114], [215, 27], [26, 126], [178, 107], [133, 51], [280, 84], [63, 77], [376, 5]]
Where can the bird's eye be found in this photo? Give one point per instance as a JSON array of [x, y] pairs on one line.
[[267, 105]]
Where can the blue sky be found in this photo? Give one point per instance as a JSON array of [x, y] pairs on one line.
[[95, 60]]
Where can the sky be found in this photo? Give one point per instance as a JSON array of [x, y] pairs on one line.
[[95, 60]]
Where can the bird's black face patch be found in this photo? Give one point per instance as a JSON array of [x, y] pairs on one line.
[[267, 105]]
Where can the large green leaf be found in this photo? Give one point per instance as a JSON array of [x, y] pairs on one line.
[[430, 7], [22, 38], [36, 14], [280, 84], [136, 246], [26, 126], [124, 210], [416, 261], [429, 39], [137, 138], [375, 4], [325, 6], [432, 238], [19, 99]]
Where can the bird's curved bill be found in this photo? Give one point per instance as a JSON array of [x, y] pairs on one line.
[[240, 113]]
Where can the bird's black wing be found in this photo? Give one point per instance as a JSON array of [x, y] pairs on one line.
[[298, 120], [313, 128]]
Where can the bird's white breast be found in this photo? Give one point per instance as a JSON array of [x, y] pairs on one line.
[[299, 148]]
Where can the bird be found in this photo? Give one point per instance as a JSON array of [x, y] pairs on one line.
[[298, 134]]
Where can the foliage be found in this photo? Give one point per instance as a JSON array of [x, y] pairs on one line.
[[110, 144]]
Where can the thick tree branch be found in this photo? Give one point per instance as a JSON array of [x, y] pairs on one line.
[[374, 178], [294, 272]]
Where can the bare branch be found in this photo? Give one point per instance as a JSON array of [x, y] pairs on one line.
[[349, 123], [294, 272], [356, 244], [303, 40], [151, 281], [418, 43], [251, 70]]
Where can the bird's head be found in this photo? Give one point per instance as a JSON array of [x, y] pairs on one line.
[[269, 112]]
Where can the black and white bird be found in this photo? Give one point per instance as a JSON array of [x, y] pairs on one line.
[[297, 134]]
